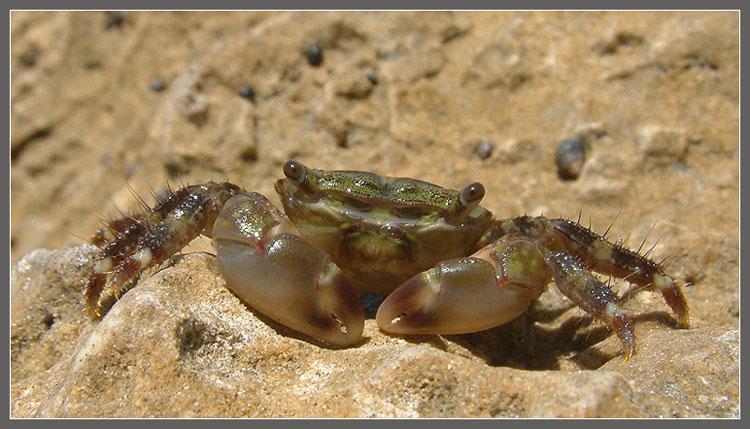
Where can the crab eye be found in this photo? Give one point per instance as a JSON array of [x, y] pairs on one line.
[[295, 171], [471, 195]]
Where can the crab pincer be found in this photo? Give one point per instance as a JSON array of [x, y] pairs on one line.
[[269, 267], [458, 296]]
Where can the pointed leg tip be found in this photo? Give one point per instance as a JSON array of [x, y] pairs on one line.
[[683, 320], [680, 308], [628, 352], [93, 313], [623, 327]]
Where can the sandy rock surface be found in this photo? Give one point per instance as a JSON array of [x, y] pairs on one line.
[[101, 103]]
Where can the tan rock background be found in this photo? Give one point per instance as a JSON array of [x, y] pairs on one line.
[[653, 95]]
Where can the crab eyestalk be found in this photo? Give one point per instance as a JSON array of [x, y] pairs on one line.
[[467, 200], [299, 177], [268, 266]]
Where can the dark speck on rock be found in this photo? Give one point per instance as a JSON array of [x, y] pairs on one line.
[[315, 55], [113, 19], [28, 59], [569, 158], [372, 78], [248, 92], [157, 85], [49, 320]]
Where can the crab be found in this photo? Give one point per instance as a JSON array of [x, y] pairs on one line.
[[444, 263]]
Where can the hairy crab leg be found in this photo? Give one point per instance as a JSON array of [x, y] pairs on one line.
[[489, 288], [598, 254], [146, 240], [269, 267], [592, 296]]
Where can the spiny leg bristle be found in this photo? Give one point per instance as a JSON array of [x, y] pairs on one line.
[[141, 202], [604, 236], [646, 237]]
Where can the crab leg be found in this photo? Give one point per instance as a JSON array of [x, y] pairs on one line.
[[148, 239], [592, 296], [487, 289], [268, 266], [598, 254]]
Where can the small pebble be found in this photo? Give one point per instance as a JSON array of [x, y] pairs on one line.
[[248, 92], [484, 149], [569, 158], [315, 55], [372, 78], [157, 85]]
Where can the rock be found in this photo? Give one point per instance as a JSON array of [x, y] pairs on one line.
[[354, 86], [590, 132], [512, 151], [181, 345], [46, 286], [661, 144], [705, 377]]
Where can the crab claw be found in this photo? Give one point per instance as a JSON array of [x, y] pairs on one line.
[[272, 269], [456, 297]]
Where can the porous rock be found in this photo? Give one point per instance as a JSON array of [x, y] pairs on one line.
[[181, 345]]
